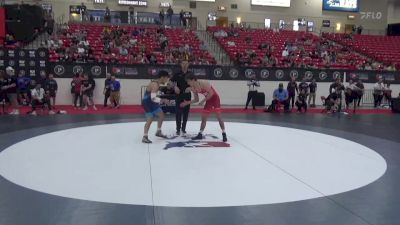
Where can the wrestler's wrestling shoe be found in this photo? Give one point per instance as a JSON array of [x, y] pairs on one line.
[[160, 134], [146, 140], [224, 138], [198, 137]]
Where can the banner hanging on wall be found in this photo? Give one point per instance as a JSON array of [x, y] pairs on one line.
[[26, 62], [141, 71], [35, 62]]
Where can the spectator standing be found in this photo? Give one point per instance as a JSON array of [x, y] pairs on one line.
[[313, 92], [49, 24], [3, 89], [351, 95], [51, 90], [170, 13], [360, 91], [107, 15], [42, 80], [115, 88], [378, 92], [88, 85], [387, 94], [182, 18], [11, 89], [359, 29], [132, 15], [292, 90], [253, 85], [107, 89], [161, 16], [23, 83], [83, 11], [303, 86], [76, 84]]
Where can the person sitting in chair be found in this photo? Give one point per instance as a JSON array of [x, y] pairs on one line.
[[280, 96], [301, 101], [39, 98]]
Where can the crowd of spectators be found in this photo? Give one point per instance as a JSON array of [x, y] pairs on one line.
[[138, 45], [276, 48], [341, 98], [20, 90]]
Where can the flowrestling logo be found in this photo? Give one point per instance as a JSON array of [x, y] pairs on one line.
[[371, 15], [209, 141]]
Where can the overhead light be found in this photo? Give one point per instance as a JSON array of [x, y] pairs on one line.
[[351, 17], [239, 20]]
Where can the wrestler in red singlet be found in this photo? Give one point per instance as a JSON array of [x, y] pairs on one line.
[[213, 104], [211, 100]]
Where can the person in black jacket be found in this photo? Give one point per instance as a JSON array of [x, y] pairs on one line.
[[301, 101], [107, 90], [182, 18], [360, 92], [292, 90], [313, 92], [337, 87], [88, 85], [170, 13], [161, 16], [51, 89], [3, 90], [183, 93]]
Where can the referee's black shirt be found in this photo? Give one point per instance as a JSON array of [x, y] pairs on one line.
[[180, 80]]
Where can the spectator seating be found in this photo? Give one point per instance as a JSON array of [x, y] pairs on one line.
[[177, 37], [384, 49], [278, 40]]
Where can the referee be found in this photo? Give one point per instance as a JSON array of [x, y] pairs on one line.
[[253, 85], [183, 93]]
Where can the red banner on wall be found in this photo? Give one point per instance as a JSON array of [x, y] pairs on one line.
[[2, 24]]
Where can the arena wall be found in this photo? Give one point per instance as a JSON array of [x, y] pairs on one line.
[[308, 9], [231, 92]]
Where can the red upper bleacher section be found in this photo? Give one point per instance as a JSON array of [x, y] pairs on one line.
[[177, 38], [311, 43], [384, 49]]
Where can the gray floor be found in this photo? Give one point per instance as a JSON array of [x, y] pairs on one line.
[[377, 203]]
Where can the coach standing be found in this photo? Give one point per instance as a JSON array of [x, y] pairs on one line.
[[292, 90], [107, 89], [182, 94]]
